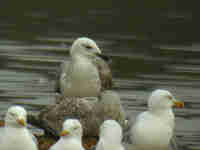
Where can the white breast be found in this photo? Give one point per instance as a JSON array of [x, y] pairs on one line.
[[17, 139], [69, 144], [150, 133], [81, 79]]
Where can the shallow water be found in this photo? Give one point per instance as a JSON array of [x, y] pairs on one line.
[[150, 49]]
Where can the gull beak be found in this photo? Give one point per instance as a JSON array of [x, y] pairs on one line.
[[64, 133], [97, 51], [21, 121], [178, 104], [105, 57]]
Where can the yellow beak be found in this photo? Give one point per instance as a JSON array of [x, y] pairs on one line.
[[64, 132], [178, 104], [21, 122]]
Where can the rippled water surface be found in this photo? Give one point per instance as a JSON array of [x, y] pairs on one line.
[[152, 45]]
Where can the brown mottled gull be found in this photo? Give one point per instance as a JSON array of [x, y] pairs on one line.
[[91, 112]]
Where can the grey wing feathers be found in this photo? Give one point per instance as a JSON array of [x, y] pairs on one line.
[[104, 73], [63, 68], [34, 138], [173, 143]]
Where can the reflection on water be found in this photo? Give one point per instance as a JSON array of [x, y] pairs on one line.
[[151, 50]]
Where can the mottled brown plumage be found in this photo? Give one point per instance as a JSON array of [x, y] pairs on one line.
[[105, 73], [90, 111]]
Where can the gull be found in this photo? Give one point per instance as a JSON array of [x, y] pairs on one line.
[[15, 134], [91, 112], [153, 129], [86, 74], [71, 136], [110, 136]]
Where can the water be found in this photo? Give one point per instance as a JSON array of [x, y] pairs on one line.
[[152, 45]]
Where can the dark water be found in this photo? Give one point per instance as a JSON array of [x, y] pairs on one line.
[[152, 45]]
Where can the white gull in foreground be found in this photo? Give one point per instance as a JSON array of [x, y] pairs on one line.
[[154, 128], [71, 136], [15, 135], [110, 136]]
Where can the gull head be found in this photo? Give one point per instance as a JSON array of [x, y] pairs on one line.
[[71, 128], [163, 99], [85, 47], [110, 130], [16, 117]]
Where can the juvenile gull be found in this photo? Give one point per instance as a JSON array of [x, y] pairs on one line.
[[86, 72], [71, 136], [153, 128], [91, 112], [110, 136], [15, 134]]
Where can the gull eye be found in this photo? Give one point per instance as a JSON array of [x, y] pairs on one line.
[[88, 47]]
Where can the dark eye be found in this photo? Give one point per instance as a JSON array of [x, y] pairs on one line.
[[88, 47]]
